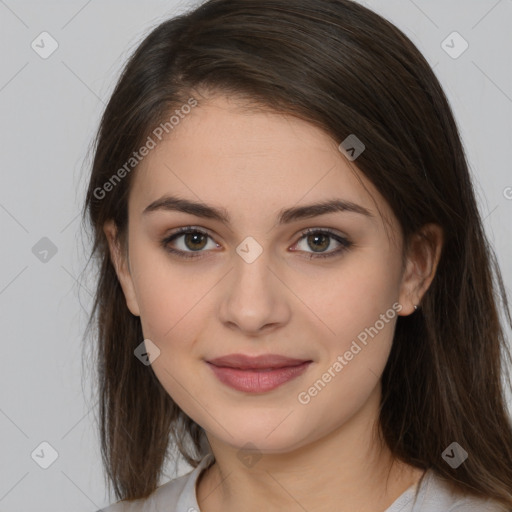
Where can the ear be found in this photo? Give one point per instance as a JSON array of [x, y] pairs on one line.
[[422, 258], [121, 265]]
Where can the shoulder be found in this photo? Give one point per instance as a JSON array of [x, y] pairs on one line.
[[436, 494], [166, 495], [177, 495]]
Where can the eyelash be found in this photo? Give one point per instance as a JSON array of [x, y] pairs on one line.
[[345, 243]]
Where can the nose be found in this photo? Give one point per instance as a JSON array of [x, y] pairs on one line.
[[254, 298]]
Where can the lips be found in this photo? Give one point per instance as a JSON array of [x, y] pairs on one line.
[[267, 361], [257, 374]]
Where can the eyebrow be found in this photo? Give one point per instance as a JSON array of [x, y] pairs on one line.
[[285, 216]]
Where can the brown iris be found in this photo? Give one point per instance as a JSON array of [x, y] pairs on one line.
[[193, 241], [316, 237]]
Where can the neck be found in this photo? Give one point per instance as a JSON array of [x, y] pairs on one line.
[[348, 469]]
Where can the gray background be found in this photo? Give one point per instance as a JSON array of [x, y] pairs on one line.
[[50, 109]]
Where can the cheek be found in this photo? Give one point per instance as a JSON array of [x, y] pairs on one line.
[[347, 299], [362, 310], [168, 293], [171, 316]]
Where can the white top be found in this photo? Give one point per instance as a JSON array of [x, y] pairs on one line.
[[179, 495]]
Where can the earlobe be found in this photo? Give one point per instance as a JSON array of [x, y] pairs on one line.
[[423, 257], [120, 263]]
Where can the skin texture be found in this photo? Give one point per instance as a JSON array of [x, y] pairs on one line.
[[324, 455]]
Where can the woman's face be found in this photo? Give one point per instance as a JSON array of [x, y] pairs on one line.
[[256, 284]]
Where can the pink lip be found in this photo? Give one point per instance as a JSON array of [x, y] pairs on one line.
[[257, 374]]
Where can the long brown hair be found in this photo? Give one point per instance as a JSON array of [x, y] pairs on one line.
[[342, 67]]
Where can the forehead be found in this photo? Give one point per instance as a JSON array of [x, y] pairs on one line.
[[251, 162]]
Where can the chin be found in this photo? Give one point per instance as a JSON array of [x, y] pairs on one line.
[[264, 432]]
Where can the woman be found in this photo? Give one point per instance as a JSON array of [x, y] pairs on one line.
[[295, 287]]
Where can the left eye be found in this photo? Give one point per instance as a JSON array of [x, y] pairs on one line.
[[321, 239], [194, 240]]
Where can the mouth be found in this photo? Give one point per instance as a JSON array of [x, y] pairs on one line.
[[257, 374]]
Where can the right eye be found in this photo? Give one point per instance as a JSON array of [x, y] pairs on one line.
[[192, 240]]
